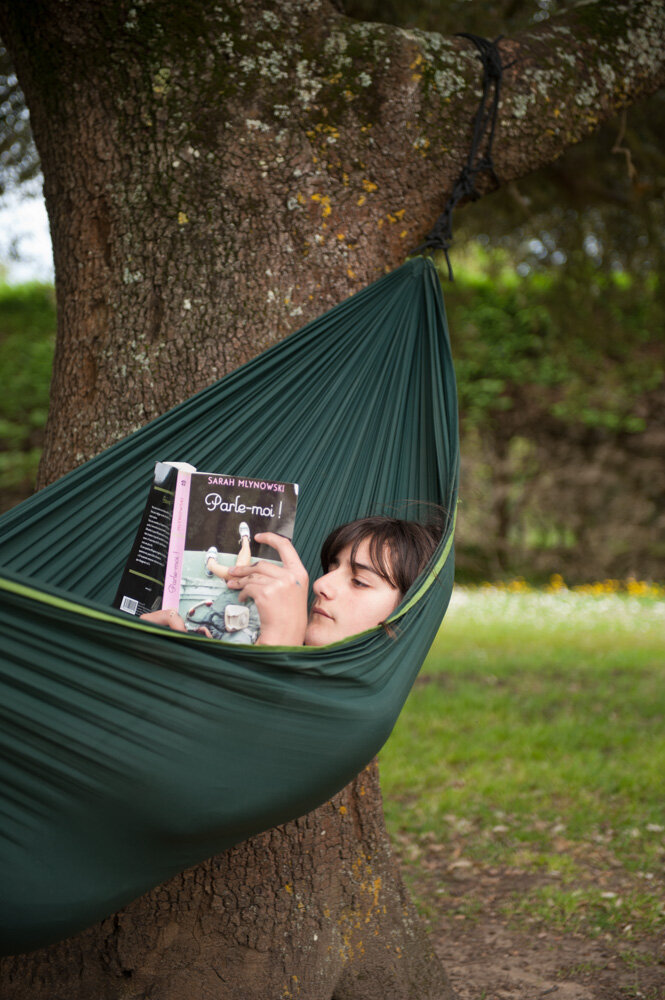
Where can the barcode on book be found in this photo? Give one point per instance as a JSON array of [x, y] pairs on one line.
[[128, 604]]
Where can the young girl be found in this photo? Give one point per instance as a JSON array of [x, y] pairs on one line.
[[368, 566]]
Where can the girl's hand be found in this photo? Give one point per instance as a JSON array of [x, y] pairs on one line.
[[279, 592]]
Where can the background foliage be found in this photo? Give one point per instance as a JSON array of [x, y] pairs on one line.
[[27, 339], [561, 374]]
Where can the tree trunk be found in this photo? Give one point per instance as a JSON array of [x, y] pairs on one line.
[[315, 909], [216, 175]]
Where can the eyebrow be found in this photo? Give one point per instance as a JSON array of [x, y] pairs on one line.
[[369, 569], [355, 566], [359, 565]]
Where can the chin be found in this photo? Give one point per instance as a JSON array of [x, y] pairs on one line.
[[315, 635]]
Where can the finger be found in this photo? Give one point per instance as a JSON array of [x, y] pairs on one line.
[[257, 591], [260, 581], [285, 550], [262, 566]]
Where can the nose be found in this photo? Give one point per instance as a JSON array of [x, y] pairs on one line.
[[325, 585]]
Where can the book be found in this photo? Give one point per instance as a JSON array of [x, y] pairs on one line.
[[210, 521], [141, 587]]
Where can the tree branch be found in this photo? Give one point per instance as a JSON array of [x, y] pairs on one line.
[[411, 103]]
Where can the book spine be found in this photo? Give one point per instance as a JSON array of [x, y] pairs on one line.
[[177, 542]]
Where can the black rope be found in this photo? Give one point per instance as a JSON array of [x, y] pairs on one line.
[[484, 126]]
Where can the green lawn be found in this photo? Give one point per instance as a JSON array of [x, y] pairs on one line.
[[534, 740]]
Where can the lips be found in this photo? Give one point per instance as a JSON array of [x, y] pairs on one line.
[[320, 611]]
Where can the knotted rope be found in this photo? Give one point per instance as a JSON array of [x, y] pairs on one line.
[[484, 125]]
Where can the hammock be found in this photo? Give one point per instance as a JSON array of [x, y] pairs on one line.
[[129, 752]]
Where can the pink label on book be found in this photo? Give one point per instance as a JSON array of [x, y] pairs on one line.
[[177, 542]]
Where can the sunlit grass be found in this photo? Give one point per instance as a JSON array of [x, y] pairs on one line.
[[535, 738]]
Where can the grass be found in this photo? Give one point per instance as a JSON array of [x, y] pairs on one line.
[[534, 740]]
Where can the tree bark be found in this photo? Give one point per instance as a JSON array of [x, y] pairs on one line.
[[215, 176]]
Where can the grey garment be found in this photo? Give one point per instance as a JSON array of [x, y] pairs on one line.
[[212, 616]]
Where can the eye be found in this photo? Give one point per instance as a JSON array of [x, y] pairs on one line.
[[358, 582]]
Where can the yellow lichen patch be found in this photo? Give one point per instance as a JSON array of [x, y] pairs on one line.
[[380, 223], [340, 236], [161, 81], [361, 200], [376, 887], [391, 218], [400, 214], [342, 809], [369, 185], [322, 129], [414, 65], [362, 789], [288, 888], [402, 234], [352, 275], [182, 219], [335, 78], [300, 198], [349, 95], [324, 201]]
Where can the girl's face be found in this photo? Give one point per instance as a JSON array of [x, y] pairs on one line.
[[349, 599]]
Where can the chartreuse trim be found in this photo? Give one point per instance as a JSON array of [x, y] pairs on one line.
[[128, 752]]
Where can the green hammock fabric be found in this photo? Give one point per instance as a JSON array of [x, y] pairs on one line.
[[130, 753]]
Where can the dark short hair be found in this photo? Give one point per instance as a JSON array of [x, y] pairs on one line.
[[399, 550]]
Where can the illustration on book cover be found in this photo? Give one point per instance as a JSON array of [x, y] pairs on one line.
[[212, 520]]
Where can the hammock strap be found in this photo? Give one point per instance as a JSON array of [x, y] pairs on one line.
[[484, 125]]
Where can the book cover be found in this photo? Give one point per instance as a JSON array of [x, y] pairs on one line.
[[141, 586], [215, 519]]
